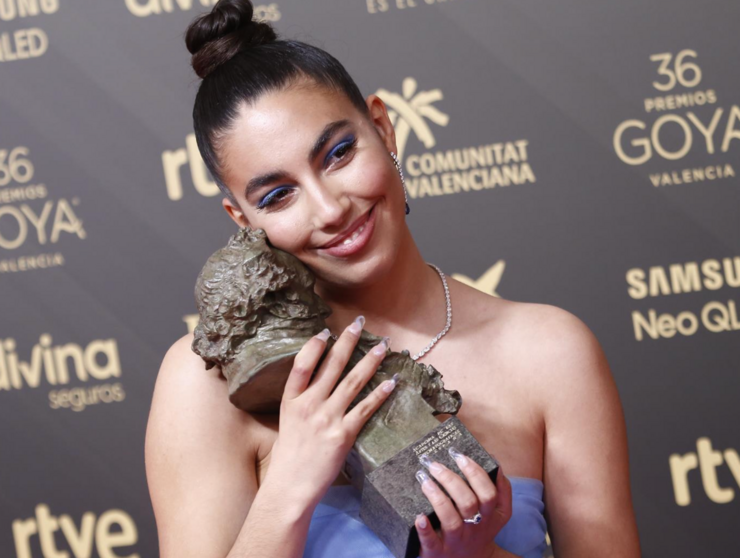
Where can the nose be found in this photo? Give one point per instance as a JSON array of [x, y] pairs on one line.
[[330, 205]]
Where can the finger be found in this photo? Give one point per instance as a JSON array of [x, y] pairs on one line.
[[304, 364], [361, 412], [430, 542], [337, 358], [351, 385], [479, 480], [462, 495], [449, 518]]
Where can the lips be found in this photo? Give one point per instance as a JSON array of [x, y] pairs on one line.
[[355, 239]]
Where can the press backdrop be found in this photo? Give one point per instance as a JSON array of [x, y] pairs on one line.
[[577, 153]]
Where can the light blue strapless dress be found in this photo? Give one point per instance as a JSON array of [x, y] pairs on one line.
[[336, 530]]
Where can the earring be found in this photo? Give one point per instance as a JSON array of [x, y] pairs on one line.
[[403, 181]]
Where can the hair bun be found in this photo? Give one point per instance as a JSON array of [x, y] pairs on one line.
[[215, 37]]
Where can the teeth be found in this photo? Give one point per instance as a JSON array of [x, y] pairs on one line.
[[351, 239]]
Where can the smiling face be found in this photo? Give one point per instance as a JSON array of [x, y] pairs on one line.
[[312, 171]]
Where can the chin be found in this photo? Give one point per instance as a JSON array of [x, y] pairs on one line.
[[361, 271], [369, 265], [355, 274]]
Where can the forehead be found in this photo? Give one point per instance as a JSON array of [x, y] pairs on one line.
[[280, 127]]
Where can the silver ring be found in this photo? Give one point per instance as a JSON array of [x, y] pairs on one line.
[[477, 518]]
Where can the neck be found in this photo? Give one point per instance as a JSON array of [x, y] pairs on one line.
[[407, 304]]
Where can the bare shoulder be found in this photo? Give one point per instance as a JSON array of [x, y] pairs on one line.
[[586, 468], [550, 332], [548, 358], [545, 346], [200, 457], [555, 358], [186, 393]]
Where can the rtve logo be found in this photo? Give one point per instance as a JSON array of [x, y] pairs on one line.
[[707, 459], [113, 529], [172, 163]]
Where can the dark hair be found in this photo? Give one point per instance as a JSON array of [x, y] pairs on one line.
[[239, 59]]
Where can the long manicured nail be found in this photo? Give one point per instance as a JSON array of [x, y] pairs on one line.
[[422, 476], [429, 464], [323, 334], [459, 458], [390, 385], [421, 521], [356, 326], [381, 347]]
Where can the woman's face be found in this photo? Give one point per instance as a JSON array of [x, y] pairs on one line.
[[317, 176]]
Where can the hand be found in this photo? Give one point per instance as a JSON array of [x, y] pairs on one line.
[[315, 430], [459, 539]]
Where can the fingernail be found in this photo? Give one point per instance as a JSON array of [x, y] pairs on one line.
[[381, 347], [422, 477], [390, 385], [429, 464], [459, 458], [323, 334], [356, 326], [421, 521]]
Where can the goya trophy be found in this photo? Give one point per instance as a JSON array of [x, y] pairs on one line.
[[257, 308]]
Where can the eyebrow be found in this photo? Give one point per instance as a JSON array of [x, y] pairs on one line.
[[326, 134]]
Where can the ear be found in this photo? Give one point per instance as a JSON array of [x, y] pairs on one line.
[[382, 122], [234, 212]]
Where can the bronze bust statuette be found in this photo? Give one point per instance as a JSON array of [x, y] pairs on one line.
[[257, 308]]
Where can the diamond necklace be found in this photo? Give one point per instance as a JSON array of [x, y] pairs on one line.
[[449, 316]]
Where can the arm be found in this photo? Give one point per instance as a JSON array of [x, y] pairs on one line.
[[201, 452], [201, 471], [588, 503]]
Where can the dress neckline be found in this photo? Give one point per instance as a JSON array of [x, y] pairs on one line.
[[511, 478], [345, 498], [526, 479]]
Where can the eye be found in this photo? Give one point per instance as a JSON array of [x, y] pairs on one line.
[[274, 197], [342, 149]]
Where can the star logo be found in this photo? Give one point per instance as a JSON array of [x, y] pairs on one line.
[[488, 282]]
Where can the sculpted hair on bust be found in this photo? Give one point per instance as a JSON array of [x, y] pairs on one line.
[[239, 59]]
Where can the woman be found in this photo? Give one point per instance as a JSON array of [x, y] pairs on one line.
[[298, 152]]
